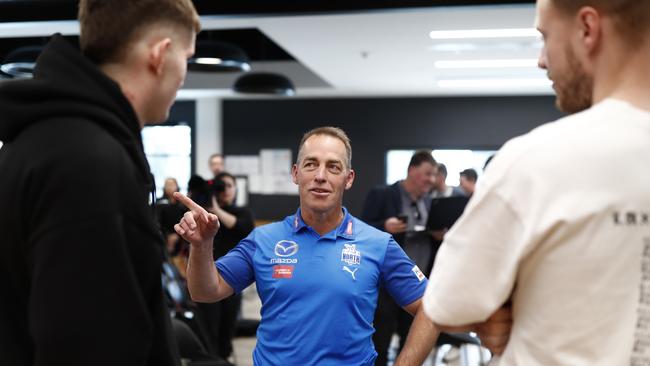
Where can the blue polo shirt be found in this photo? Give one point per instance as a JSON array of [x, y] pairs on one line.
[[319, 293]]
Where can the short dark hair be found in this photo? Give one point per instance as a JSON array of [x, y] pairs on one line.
[[196, 184], [218, 184], [109, 27], [422, 156], [631, 17], [329, 131], [442, 169], [222, 175], [469, 174]]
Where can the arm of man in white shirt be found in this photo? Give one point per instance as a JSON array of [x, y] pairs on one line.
[[494, 334]]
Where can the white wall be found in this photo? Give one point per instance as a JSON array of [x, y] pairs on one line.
[[209, 136]]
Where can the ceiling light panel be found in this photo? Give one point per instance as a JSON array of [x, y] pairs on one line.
[[485, 33], [494, 83], [485, 64], [486, 45]]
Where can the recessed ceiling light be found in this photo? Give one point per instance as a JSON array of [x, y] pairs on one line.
[[454, 47], [520, 44], [484, 33], [493, 83], [214, 56], [208, 60], [485, 64]]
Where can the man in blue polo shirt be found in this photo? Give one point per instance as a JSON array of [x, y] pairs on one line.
[[317, 272]]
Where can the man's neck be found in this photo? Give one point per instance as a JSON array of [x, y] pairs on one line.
[[411, 190], [631, 80], [442, 188], [115, 72], [322, 222]]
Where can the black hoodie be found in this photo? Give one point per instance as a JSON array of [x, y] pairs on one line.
[[80, 253]]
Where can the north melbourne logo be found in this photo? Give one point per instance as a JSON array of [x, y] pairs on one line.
[[350, 255]]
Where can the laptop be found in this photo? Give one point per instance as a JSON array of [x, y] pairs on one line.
[[445, 211]]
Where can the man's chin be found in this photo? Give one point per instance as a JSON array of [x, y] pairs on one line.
[[319, 205], [571, 106], [156, 120]]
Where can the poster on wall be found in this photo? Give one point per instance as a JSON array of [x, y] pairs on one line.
[[242, 164], [242, 191], [267, 173]]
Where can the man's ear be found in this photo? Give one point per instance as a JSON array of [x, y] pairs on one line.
[[294, 173], [350, 179], [590, 22], [157, 55]]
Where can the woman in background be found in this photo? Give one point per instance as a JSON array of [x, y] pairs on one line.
[[169, 211], [236, 223]]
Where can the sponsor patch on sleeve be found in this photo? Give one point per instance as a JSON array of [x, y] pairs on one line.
[[418, 273]]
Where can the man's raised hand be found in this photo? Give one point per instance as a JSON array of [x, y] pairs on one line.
[[197, 226]]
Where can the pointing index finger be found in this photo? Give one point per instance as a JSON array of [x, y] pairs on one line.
[[187, 202]]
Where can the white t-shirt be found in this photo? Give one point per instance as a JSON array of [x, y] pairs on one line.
[[560, 223]]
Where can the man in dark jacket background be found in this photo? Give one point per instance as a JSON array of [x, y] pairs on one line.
[[401, 209], [81, 253]]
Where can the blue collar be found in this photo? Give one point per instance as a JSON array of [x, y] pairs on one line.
[[345, 229]]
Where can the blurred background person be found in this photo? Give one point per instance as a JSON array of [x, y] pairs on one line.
[[401, 209], [169, 212], [198, 190], [236, 224], [216, 164], [440, 187], [207, 320], [468, 179]]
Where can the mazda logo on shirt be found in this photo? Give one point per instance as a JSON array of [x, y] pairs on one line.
[[286, 248]]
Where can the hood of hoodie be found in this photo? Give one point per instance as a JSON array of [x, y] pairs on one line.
[[67, 84]]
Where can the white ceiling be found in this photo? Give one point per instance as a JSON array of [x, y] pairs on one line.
[[391, 53], [374, 53]]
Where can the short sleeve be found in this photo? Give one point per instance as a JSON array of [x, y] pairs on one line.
[[236, 267], [400, 276], [476, 265]]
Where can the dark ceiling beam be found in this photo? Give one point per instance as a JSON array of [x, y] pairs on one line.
[[289, 7], [38, 10]]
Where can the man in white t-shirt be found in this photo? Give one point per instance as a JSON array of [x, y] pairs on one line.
[[548, 228]]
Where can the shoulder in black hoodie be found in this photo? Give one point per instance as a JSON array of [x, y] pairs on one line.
[[80, 253]]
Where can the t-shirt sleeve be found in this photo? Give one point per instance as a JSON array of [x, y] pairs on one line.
[[400, 276], [476, 266], [236, 267]]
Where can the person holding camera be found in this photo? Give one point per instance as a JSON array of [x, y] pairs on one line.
[[402, 209], [236, 224]]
